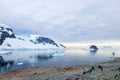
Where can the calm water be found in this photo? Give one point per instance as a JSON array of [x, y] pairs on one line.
[[71, 56]]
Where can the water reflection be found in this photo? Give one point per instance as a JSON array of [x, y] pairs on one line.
[[43, 57], [5, 65], [93, 52], [18, 59]]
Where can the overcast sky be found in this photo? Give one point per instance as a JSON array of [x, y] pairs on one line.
[[63, 20]]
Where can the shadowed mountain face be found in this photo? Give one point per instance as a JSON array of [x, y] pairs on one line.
[[44, 41], [5, 33]]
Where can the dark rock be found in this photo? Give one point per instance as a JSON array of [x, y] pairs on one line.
[[5, 64], [9, 45], [89, 71], [93, 48], [5, 33], [63, 46], [44, 41], [21, 39]]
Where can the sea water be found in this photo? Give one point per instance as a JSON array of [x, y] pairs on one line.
[[66, 57]]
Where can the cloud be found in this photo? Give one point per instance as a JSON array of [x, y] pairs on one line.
[[65, 20]]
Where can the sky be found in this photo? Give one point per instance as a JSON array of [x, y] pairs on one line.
[[63, 20]]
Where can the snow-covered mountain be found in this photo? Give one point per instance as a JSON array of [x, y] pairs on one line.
[[8, 40], [5, 32]]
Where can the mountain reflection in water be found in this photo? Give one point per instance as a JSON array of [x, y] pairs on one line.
[[10, 60]]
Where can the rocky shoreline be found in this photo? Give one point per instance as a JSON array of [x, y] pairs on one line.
[[109, 70]]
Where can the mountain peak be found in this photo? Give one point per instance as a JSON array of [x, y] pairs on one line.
[[5, 32]]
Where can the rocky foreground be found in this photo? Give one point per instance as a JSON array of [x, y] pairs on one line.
[[109, 70]]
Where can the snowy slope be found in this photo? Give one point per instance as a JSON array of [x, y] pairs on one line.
[[9, 40]]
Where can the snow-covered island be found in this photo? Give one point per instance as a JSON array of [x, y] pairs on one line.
[[8, 41]]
